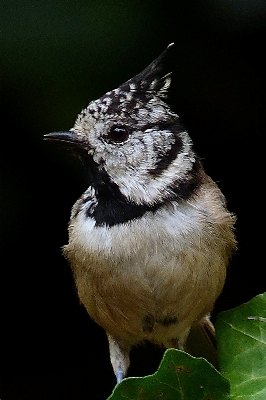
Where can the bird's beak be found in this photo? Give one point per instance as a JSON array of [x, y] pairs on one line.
[[69, 138]]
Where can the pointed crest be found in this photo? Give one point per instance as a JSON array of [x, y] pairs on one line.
[[149, 82]]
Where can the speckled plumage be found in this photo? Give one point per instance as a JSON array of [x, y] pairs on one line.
[[151, 237]]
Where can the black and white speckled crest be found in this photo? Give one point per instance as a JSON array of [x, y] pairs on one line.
[[131, 95]]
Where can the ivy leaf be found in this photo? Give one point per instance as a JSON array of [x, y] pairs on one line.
[[241, 338], [179, 377]]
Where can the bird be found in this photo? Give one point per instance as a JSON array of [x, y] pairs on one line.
[[151, 238]]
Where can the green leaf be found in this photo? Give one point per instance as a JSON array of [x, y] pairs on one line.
[[241, 337], [179, 377]]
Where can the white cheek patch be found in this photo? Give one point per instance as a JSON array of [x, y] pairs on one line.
[[137, 184]]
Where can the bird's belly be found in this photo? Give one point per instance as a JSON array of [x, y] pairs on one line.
[[134, 306], [138, 287]]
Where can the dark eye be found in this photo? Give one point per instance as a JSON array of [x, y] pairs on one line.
[[118, 133]]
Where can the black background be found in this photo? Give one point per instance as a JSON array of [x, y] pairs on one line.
[[56, 57]]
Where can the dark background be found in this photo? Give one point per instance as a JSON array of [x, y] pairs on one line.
[[56, 56]]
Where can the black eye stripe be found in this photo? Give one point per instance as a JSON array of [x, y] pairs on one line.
[[164, 160]]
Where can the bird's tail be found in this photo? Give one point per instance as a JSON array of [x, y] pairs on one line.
[[201, 341]]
